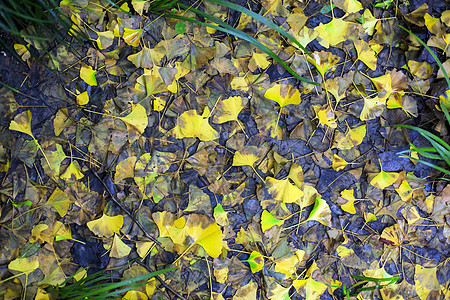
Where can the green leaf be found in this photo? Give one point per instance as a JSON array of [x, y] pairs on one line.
[[268, 221], [256, 261], [180, 28]]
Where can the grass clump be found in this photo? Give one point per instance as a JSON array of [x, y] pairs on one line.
[[100, 285], [439, 150]]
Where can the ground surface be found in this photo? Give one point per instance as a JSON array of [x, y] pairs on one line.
[[256, 185]]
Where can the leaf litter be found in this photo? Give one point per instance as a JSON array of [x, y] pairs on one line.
[[174, 145]]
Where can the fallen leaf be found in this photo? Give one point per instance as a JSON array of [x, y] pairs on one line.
[[190, 124], [256, 261], [268, 221], [119, 249], [137, 119], [106, 226], [88, 75]]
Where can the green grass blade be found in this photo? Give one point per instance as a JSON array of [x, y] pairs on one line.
[[431, 52], [231, 30], [263, 20], [430, 165], [116, 285], [427, 135], [373, 279], [445, 110]]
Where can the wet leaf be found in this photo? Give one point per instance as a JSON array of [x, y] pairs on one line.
[[59, 201], [25, 265], [321, 213], [334, 32], [106, 226], [190, 124], [229, 109], [137, 119], [268, 221], [283, 94], [349, 206], [22, 123], [72, 172], [118, 249], [88, 75], [132, 36], [384, 179], [256, 261]]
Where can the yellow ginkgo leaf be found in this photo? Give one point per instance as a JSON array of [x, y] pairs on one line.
[[22, 123], [72, 172], [63, 233], [268, 221], [256, 261], [283, 94], [326, 116], [83, 98], [349, 206], [125, 169], [366, 54], [144, 247], [135, 295], [229, 109], [373, 108], [245, 292], [353, 137], [370, 22], [190, 124], [258, 60], [338, 163], [334, 32], [24, 264], [323, 61], [422, 70], [22, 51], [405, 191], [283, 190], [132, 36], [59, 201], [368, 217], [426, 281], [137, 119], [106, 226], [321, 213], [288, 264], [205, 233], [246, 157], [119, 249], [348, 6], [384, 179], [88, 75], [142, 59], [105, 39], [220, 215], [62, 120]]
